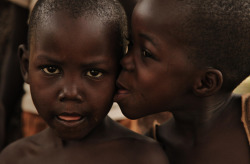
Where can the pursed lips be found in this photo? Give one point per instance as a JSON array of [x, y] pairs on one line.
[[121, 89], [122, 92]]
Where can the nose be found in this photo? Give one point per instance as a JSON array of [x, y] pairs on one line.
[[128, 63], [70, 92]]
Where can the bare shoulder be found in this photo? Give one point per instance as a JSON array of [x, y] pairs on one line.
[[135, 148], [23, 148], [17, 150], [139, 151]]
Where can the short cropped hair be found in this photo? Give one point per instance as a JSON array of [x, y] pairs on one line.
[[217, 34], [109, 12]]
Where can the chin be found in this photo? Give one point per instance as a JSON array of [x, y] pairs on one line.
[[71, 135], [131, 113]]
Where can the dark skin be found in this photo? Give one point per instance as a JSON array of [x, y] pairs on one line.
[[157, 76], [12, 78], [118, 147], [72, 85]]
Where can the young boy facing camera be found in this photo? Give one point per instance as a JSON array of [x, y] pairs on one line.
[[71, 65], [187, 57]]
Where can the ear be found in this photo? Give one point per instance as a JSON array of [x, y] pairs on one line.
[[208, 83], [23, 55]]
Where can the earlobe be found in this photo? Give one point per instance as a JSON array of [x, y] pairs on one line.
[[209, 82], [23, 55]]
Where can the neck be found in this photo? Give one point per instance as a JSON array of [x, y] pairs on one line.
[[95, 136], [199, 120]]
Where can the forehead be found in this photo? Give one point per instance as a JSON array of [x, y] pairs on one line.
[[160, 9], [61, 31], [164, 16], [61, 21]]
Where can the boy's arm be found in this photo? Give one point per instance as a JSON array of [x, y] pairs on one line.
[[13, 153]]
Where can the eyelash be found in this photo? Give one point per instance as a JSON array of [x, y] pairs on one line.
[[46, 69], [55, 70], [146, 53], [90, 72]]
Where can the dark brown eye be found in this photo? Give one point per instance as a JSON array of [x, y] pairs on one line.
[[51, 70], [94, 73], [146, 53]]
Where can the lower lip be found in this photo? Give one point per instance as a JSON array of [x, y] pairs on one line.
[[70, 118], [70, 121]]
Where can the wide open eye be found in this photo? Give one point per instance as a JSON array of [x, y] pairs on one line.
[[51, 70], [94, 73]]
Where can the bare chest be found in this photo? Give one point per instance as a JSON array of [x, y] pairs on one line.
[[222, 149]]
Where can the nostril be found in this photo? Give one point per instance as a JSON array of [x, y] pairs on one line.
[[67, 95], [62, 99], [77, 99]]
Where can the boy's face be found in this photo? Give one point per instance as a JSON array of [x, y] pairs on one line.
[[72, 72], [157, 74]]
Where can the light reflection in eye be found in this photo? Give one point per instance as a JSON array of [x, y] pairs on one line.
[[94, 73], [51, 70]]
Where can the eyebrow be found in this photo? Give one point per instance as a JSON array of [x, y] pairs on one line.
[[148, 38], [88, 64], [47, 58], [95, 63]]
